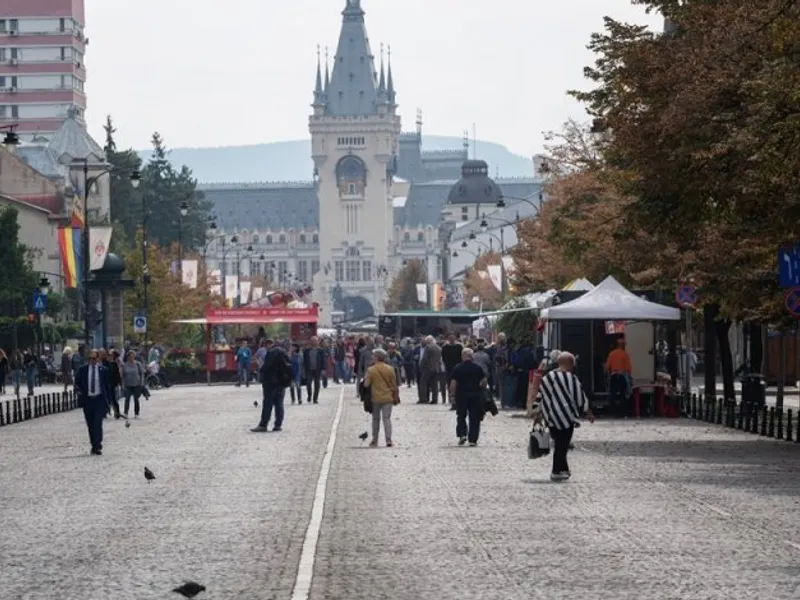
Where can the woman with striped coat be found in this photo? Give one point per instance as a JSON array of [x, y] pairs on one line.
[[562, 402]]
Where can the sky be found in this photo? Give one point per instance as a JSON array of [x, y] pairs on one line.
[[207, 73]]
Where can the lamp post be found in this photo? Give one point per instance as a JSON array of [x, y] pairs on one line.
[[11, 138], [88, 182], [44, 289], [136, 179], [184, 210], [501, 203]]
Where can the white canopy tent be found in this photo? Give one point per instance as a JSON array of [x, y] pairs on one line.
[[610, 301], [579, 285]]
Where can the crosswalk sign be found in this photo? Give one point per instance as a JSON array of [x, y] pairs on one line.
[[39, 303], [139, 324]]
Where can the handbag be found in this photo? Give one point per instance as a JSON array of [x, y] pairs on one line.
[[366, 397], [538, 442], [489, 405]]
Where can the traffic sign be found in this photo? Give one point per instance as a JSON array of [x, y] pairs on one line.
[[39, 303], [686, 296], [139, 324], [792, 301], [789, 265]]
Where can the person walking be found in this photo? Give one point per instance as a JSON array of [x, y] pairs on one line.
[[276, 376], [66, 367], [94, 392], [314, 366], [407, 352], [430, 365], [619, 368], [468, 384], [339, 364], [30, 363], [4, 367], [451, 357], [562, 402], [296, 359], [381, 380], [244, 357], [260, 354], [111, 362], [132, 383]]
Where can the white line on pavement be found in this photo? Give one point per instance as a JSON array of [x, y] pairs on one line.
[[793, 545], [305, 571], [719, 511]]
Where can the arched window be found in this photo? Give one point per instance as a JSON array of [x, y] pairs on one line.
[[406, 237], [351, 189], [269, 239], [302, 238], [256, 239], [281, 239], [420, 237], [315, 239]]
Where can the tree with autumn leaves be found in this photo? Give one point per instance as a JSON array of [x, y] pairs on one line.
[[689, 169], [478, 285], [402, 294], [168, 299]]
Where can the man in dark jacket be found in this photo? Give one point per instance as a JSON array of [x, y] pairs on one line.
[[451, 357], [94, 393], [314, 363], [273, 387]]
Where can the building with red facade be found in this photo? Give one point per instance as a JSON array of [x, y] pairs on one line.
[[42, 71]]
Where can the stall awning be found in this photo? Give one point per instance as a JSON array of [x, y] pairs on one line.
[[610, 301], [256, 316]]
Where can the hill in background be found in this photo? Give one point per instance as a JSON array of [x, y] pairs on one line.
[[291, 161]]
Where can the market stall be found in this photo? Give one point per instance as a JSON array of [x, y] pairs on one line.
[[302, 323], [600, 315]]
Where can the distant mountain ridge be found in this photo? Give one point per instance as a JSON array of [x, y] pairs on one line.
[[291, 161]]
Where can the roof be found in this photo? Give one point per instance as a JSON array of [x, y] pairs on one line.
[[22, 203], [475, 185], [353, 89], [40, 158], [261, 208], [500, 217], [72, 142]]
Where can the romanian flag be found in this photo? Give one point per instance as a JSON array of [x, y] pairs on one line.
[[69, 244], [437, 297]]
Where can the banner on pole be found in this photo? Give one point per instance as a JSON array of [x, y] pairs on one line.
[[99, 240], [189, 271]]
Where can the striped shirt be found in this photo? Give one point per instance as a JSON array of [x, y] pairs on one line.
[[563, 400]]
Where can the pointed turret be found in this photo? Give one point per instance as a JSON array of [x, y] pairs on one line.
[[327, 73], [353, 90], [382, 81], [390, 93], [319, 92]]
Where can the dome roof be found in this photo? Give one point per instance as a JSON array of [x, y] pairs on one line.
[[475, 185], [113, 265]]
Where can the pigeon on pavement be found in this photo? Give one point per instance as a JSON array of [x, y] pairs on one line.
[[255, 402], [127, 423], [148, 474], [190, 589], [363, 436]]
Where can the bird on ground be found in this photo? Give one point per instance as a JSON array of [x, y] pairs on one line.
[[190, 589], [255, 402], [148, 474], [127, 423], [363, 436]]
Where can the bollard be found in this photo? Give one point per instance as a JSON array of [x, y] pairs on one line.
[[755, 420], [740, 416], [710, 409], [2, 416], [48, 404], [771, 426], [731, 413], [764, 414], [720, 405], [748, 408], [692, 402], [789, 425], [779, 432]]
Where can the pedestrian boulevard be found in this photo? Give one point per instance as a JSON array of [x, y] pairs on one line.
[[655, 510]]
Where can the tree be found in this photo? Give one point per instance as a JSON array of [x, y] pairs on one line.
[[167, 298], [402, 293], [126, 205], [478, 284], [164, 190], [17, 278]]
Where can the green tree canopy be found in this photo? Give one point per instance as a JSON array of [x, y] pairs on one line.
[[18, 281], [403, 291]]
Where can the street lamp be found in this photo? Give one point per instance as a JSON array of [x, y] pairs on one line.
[[136, 180], [11, 138], [501, 202], [44, 285]]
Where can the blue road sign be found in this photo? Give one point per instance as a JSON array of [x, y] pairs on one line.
[[140, 324], [39, 303], [789, 265], [792, 300], [686, 295]]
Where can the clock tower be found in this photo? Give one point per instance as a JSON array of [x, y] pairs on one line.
[[354, 135]]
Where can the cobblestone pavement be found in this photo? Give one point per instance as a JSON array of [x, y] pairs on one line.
[[656, 510]]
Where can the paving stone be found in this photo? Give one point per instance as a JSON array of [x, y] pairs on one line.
[[656, 509]]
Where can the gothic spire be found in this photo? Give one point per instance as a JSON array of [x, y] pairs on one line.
[[327, 71], [319, 93], [390, 81], [382, 82]]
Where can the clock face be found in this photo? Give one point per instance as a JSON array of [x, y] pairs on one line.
[[351, 169]]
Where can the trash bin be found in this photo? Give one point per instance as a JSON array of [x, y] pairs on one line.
[[754, 389]]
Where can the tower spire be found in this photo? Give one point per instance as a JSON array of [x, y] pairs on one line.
[[327, 71], [390, 81], [319, 92], [382, 82]]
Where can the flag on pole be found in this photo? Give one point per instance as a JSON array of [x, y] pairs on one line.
[[245, 295], [231, 285], [496, 276], [422, 293], [99, 240], [258, 293], [189, 271], [69, 249]]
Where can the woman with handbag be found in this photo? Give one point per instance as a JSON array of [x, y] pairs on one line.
[[381, 380]]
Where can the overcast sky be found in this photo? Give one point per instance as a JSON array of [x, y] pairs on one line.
[[212, 73]]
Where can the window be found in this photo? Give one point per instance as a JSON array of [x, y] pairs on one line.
[[256, 239], [62, 25], [420, 237], [315, 239], [14, 53], [2, 108], [281, 239], [339, 270], [314, 267], [367, 270], [256, 268], [3, 26], [14, 25], [353, 272], [303, 239], [352, 218], [283, 270], [302, 271], [15, 111], [465, 217], [2, 55], [351, 189], [406, 237], [2, 82], [269, 239]]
